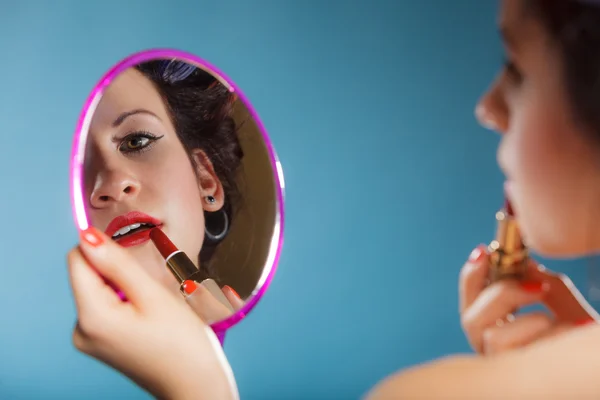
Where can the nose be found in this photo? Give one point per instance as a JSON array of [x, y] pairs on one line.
[[112, 187], [491, 110]]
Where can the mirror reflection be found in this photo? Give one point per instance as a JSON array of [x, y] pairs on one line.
[[177, 171]]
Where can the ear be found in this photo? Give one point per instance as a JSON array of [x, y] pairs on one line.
[[208, 181]]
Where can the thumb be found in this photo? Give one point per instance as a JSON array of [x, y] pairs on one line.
[[562, 298], [117, 266]]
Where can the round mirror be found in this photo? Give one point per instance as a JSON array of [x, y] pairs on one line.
[[171, 160]]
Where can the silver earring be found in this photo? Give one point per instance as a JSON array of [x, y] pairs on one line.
[[216, 221], [211, 200]]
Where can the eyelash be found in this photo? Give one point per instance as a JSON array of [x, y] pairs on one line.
[[137, 135], [512, 71]]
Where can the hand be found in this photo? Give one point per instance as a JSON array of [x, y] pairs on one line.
[[486, 311], [207, 306], [154, 338]]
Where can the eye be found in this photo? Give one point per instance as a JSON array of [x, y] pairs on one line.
[[512, 71], [138, 142]]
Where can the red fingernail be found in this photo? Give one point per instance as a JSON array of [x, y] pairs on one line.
[[476, 255], [533, 287], [232, 291], [91, 236], [585, 321], [189, 287]]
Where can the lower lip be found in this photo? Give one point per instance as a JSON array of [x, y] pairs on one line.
[[134, 239]]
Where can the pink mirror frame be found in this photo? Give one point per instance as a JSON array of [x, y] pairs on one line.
[[78, 153]]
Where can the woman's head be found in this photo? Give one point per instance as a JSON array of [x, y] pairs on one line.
[[166, 148], [546, 104]]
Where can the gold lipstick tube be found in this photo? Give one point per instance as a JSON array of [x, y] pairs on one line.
[[184, 269], [508, 254]]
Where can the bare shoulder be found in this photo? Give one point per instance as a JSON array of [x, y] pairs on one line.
[[564, 367]]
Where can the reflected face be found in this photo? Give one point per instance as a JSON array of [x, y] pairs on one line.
[[550, 162], [138, 174]]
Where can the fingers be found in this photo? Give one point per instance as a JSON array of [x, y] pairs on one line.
[[89, 290], [233, 297], [204, 304], [115, 264], [494, 303], [564, 299], [523, 330], [473, 277]]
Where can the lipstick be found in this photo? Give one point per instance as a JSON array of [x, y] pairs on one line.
[[508, 253], [183, 268]]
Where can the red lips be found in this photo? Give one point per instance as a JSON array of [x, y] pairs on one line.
[[138, 236]]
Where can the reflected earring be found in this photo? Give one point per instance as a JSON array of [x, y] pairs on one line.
[[216, 225]]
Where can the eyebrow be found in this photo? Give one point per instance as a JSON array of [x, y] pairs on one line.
[[121, 118]]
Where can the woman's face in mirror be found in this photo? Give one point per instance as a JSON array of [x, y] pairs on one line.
[[136, 163]]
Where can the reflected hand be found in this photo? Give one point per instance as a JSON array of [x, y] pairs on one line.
[[154, 338], [207, 307], [486, 311]]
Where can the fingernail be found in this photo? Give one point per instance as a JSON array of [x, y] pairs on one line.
[[476, 255], [189, 287], [534, 287], [91, 236], [232, 291], [585, 321]]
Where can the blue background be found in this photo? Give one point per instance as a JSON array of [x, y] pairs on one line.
[[390, 182]]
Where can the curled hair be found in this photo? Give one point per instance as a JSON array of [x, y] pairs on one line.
[[201, 111], [574, 26]]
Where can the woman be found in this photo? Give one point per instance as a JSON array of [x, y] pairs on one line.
[[163, 150], [546, 105]]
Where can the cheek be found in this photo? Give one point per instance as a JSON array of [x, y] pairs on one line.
[[547, 166], [183, 205]]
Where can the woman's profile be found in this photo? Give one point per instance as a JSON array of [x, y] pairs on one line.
[[545, 104]]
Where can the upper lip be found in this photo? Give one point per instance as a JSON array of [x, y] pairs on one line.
[[133, 217]]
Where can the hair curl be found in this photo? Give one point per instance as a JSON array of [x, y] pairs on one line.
[[201, 112]]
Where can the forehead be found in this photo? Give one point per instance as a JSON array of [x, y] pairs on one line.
[[510, 18], [519, 27], [510, 11], [131, 90]]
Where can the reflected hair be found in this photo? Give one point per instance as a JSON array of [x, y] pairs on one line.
[[201, 110]]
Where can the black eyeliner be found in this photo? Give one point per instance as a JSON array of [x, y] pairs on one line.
[[139, 134]]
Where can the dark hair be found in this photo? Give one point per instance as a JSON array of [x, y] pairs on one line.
[[574, 26], [201, 110]]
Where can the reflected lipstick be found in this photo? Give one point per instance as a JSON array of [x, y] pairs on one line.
[[508, 253], [183, 268], [177, 261]]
